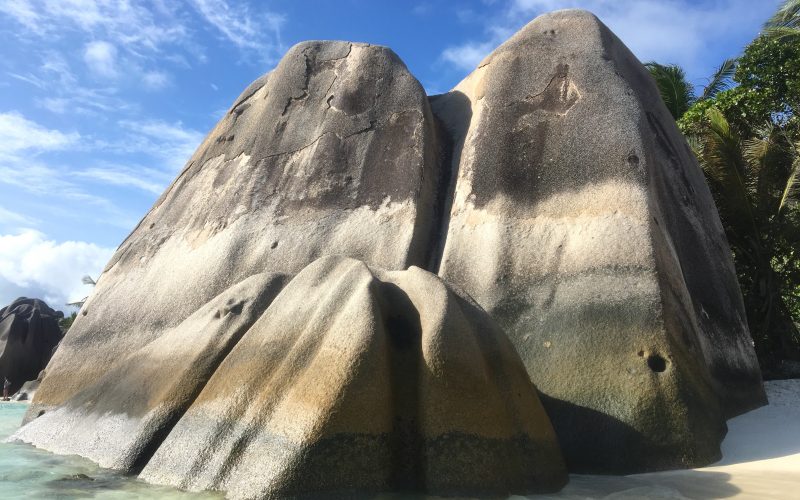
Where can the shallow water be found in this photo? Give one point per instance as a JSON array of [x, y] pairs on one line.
[[761, 460], [26, 472]]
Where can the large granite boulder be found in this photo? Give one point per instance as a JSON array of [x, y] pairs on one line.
[[582, 223], [29, 333], [120, 418], [357, 380], [333, 152], [569, 208]]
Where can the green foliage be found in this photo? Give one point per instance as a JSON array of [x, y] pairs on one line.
[[785, 24], [754, 180], [677, 92], [770, 69], [721, 80], [66, 323], [747, 139], [737, 105]]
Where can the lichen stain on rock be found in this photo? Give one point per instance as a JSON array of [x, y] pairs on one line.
[[559, 96]]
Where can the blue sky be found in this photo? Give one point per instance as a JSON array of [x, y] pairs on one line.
[[103, 101]]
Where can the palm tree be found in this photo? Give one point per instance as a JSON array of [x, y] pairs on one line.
[[756, 183], [786, 21], [679, 94]]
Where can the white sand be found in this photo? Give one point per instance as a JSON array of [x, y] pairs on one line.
[[761, 460]]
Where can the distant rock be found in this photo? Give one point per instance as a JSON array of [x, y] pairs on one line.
[[29, 333], [357, 380], [27, 391], [581, 221]]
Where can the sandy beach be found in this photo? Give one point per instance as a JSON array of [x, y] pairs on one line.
[[761, 460]]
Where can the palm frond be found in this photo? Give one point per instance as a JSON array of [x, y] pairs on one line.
[[788, 13], [766, 154], [722, 160], [677, 93], [782, 32], [721, 80], [785, 22], [791, 193], [758, 148]]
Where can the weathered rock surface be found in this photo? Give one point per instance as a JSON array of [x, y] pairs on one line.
[[29, 333], [120, 418], [582, 223], [572, 211], [357, 380], [333, 152], [27, 391]]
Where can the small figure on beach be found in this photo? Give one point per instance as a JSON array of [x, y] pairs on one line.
[[6, 386]]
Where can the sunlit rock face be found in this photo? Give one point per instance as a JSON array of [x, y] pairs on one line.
[[358, 380], [120, 418], [352, 288], [582, 223], [332, 153]]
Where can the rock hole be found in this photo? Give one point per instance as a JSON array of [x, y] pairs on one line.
[[640, 353], [83, 313], [656, 363], [152, 225], [655, 220], [40, 414], [218, 314], [633, 160], [274, 245]]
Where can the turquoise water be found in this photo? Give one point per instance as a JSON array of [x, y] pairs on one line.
[[26, 472]]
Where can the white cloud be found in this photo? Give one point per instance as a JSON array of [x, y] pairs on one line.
[[127, 22], [172, 143], [23, 12], [22, 141], [422, 9], [236, 23], [155, 80], [18, 134], [468, 56], [101, 58], [9, 218], [147, 179], [668, 31], [32, 265], [57, 105]]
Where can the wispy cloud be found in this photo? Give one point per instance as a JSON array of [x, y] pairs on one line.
[[156, 80], [9, 218], [235, 22], [669, 31], [173, 143], [22, 143], [139, 24], [468, 55], [18, 134], [62, 91], [147, 179]]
